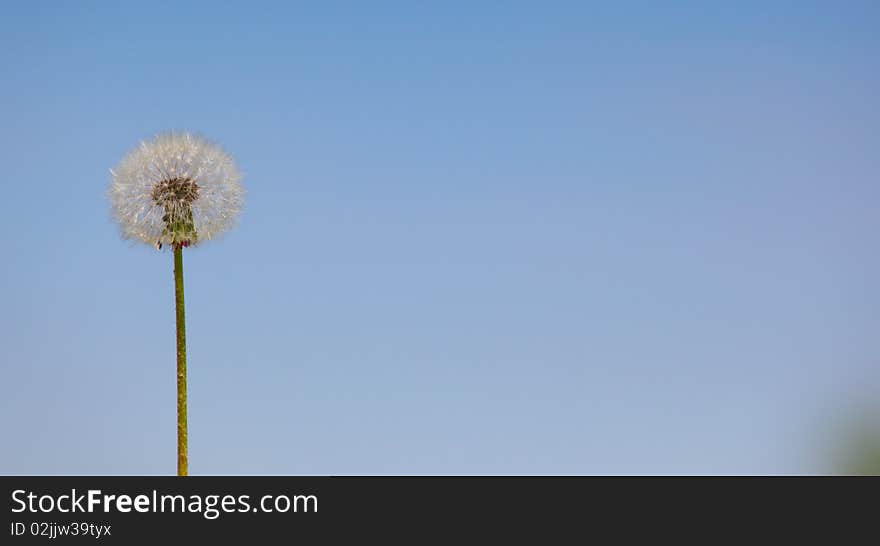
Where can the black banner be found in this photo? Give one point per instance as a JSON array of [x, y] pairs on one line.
[[134, 510]]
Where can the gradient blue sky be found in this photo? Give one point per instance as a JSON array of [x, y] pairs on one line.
[[479, 237]]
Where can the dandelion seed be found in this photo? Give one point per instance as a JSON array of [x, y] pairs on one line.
[[176, 189]]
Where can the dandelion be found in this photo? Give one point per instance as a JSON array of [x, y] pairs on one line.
[[176, 191]]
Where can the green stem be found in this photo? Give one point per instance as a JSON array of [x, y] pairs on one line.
[[182, 462]]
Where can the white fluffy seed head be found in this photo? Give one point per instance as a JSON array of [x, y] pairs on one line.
[[176, 189]]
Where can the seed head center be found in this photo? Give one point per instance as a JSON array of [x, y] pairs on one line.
[[176, 196], [175, 191]]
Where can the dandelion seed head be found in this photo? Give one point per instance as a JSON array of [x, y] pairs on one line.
[[176, 189]]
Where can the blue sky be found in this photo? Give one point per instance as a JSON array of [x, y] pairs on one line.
[[479, 237]]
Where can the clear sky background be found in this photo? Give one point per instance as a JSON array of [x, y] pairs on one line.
[[479, 237]]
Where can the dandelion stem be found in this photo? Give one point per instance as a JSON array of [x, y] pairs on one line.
[[182, 462]]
